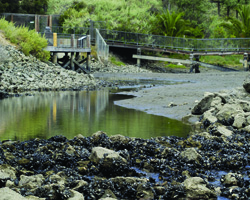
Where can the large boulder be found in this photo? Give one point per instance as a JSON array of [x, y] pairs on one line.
[[7, 172], [228, 111], [203, 105], [210, 116], [246, 83], [231, 179], [8, 194], [196, 188], [111, 162], [31, 182], [106, 155], [190, 154], [76, 195]]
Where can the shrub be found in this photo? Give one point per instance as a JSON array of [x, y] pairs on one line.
[[27, 40]]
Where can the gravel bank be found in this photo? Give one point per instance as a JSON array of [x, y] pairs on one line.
[[176, 101]]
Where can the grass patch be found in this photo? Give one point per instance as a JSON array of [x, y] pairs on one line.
[[229, 61], [115, 61], [28, 41]]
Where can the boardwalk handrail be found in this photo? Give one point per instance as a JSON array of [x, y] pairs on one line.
[[101, 47], [166, 42], [69, 40]]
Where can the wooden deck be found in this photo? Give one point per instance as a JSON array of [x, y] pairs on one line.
[[70, 44]]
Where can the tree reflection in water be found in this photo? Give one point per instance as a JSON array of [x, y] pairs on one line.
[[70, 113]]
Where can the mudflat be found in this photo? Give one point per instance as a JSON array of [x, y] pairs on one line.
[[176, 101]]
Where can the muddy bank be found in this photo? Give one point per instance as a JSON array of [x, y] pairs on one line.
[[176, 101]]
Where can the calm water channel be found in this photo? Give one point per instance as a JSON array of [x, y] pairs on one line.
[[70, 113]]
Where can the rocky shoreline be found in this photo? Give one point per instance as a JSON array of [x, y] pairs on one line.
[[213, 161]]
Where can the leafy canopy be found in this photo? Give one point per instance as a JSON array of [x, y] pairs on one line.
[[239, 27], [171, 24]]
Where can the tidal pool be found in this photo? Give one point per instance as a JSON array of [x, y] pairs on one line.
[[83, 112]]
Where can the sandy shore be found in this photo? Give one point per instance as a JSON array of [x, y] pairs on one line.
[[156, 100]]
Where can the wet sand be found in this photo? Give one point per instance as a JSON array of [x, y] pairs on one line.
[[157, 100]]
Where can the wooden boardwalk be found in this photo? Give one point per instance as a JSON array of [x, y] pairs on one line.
[[70, 44]]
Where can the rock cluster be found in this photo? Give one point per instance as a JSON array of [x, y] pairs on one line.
[[110, 68], [119, 167], [20, 73], [223, 111]]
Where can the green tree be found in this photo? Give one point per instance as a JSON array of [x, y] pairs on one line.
[[9, 6], [195, 10], [239, 27], [171, 24], [34, 6]]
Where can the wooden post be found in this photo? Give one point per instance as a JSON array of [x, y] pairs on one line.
[[72, 61], [245, 61], [54, 39], [138, 59], [36, 23], [88, 41], [50, 21], [87, 61], [72, 40], [11, 18], [54, 57]]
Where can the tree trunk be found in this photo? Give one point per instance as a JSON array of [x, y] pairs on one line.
[[218, 8]]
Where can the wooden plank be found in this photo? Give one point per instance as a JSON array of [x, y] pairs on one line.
[[162, 59]]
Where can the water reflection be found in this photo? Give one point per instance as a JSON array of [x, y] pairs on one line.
[[84, 112]]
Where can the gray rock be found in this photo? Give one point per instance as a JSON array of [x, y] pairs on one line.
[[119, 138], [31, 182], [7, 172], [8, 194], [210, 116], [228, 111], [191, 155], [56, 178], [76, 195], [106, 155], [239, 121], [203, 105], [144, 192], [230, 179], [246, 83], [108, 194], [217, 103], [196, 188], [223, 131]]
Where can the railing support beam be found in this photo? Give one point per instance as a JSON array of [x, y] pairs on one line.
[[138, 59], [245, 61]]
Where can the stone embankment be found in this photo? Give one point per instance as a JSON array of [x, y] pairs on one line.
[[20, 73], [23, 74]]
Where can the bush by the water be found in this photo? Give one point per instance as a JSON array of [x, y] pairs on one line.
[[29, 41]]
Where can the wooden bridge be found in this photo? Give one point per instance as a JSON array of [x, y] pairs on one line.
[[79, 41]]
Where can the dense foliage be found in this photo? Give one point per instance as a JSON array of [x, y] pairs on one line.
[[181, 18], [28, 40], [239, 27], [24, 6]]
